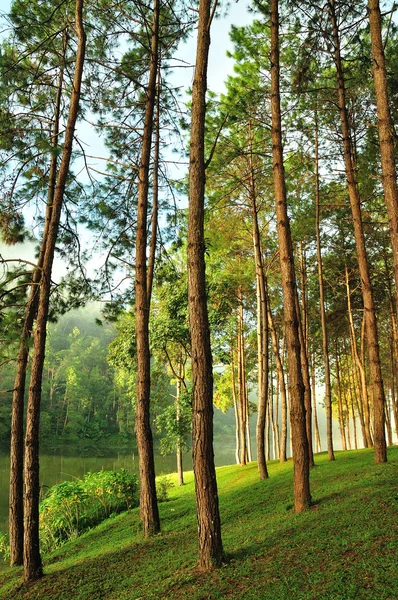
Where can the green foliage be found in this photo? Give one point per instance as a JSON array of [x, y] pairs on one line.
[[72, 507], [175, 422], [163, 485], [5, 546]]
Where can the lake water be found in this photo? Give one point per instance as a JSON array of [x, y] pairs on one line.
[[55, 469]]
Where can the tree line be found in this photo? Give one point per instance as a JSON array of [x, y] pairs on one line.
[[284, 266]]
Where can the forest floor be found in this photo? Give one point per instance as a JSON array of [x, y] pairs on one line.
[[344, 547]]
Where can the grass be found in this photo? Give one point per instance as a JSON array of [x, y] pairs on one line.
[[345, 547]]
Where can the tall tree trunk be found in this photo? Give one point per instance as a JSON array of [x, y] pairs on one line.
[[16, 511], [387, 137], [32, 560], [148, 502], [262, 326], [314, 412], [280, 375], [180, 470], [209, 526], [155, 195], [237, 420], [302, 496], [307, 386], [367, 438], [325, 342], [340, 403], [347, 418], [242, 385], [367, 294]]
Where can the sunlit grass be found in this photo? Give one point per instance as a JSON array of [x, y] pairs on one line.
[[344, 547]]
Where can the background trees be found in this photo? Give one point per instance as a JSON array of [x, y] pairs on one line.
[[287, 214]]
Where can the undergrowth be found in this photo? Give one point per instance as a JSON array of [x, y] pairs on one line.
[[343, 548]]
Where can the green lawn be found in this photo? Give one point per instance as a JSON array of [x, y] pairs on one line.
[[344, 547]]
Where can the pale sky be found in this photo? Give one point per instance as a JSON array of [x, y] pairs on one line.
[[220, 66]]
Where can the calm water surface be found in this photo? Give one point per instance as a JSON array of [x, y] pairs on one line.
[[55, 469]]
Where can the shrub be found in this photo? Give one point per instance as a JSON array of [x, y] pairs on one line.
[[5, 546], [163, 485], [72, 507]]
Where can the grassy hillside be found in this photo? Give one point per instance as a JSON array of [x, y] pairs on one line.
[[344, 547]]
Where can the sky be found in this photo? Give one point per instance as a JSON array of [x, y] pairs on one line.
[[220, 66]]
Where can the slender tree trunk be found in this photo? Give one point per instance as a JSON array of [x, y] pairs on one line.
[[364, 390], [262, 327], [367, 294], [180, 470], [388, 422], [347, 419], [237, 421], [340, 403], [325, 342], [32, 560], [261, 400], [16, 511], [302, 496], [307, 386], [241, 385], [387, 137], [148, 502], [281, 383], [314, 412], [155, 196], [209, 526]]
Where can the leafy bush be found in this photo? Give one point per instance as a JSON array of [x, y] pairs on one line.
[[72, 507], [163, 485], [5, 546]]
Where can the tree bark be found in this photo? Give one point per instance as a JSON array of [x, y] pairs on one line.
[[16, 511], [148, 501], [367, 293], [386, 130], [282, 385], [314, 412], [207, 511], [180, 470], [367, 438], [237, 419], [262, 328], [242, 385], [302, 496], [155, 196], [32, 560], [340, 403], [325, 342]]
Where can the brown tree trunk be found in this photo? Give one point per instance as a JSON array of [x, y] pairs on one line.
[[314, 412], [262, 328], [209, 526], [148, 502], [32, 560], [242, 385], [237, 421], [387, 137], [367, 294], [307, 386], [16, 511], [367, 438], [281, 384], [340, 403], [155, 195], [180, 470], [325, 342], [302, 496]]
